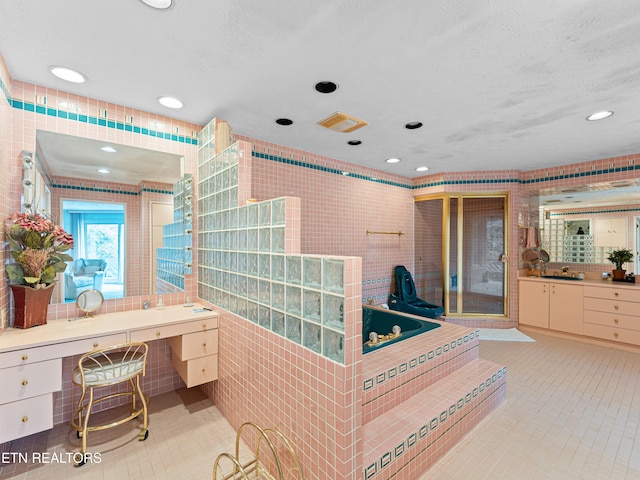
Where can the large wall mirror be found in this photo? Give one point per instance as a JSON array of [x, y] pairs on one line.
[[583, 224], [106, 193]]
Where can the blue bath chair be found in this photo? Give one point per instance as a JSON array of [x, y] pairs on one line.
[[407, 301]]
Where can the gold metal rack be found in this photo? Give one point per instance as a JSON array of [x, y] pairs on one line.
[[269, 466], [369, 232]]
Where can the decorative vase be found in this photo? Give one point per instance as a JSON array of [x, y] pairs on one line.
[[31, 305], [618, 274]]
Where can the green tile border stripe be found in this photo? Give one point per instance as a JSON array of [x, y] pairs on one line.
[[335, 171], [102, 122], [112, 190]]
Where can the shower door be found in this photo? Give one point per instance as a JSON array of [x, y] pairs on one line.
[[479, 257], [467, 232]]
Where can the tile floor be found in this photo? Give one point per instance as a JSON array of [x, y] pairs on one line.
[[572, 412]]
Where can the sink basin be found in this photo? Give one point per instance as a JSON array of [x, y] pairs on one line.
[[560, 277]]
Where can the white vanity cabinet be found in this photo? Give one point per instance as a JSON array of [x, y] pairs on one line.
[[26, 398], [195, 356], [31, 359], [553, 305], [612, 313], [534, 304]]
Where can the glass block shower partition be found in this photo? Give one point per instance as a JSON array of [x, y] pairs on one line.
[[245, 268], [175, 257]]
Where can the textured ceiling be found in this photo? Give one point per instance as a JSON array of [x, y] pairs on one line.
[[498, 84]]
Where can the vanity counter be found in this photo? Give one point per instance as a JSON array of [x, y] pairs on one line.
[[64, 330], [590, 308], [31, 359]]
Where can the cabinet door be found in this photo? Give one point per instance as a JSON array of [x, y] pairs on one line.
[[619, 232], [566, 308], [534, 304]]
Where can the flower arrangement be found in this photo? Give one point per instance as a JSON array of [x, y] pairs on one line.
[[37, 246]]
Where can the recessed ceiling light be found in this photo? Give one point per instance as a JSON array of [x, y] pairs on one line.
[[159, 4], [67, 74], [413, 125], [354, 142], [392, 160], [422, 169], [108, 149], [599, 115], [326, 87], [284, 121], [170, 102], [103, 170]]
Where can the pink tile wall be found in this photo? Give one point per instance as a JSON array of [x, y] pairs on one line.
[[337, 210]]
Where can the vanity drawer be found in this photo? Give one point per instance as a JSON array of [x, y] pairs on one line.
[[22, 418], [30, 380], [628, 322], [612, 333], [612, 293], [194, 345], [197, 371], [611, 306], [59, 350], [173, 329]]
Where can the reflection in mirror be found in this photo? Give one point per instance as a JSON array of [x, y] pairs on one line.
[[98, 232], [581, 224], [137, 177], [530, 255]]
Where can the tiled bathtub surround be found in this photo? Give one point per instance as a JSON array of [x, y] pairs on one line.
[[420, 396]]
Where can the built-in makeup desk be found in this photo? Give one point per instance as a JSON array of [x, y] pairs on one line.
[[31, 359]]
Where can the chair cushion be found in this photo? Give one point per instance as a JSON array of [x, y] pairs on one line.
[[90, 270], [110, 368]]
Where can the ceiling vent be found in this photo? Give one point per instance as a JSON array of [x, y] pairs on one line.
[[341, 122]]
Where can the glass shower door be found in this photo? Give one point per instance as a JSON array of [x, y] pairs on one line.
[[481, 229]]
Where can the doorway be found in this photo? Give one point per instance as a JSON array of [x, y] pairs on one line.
[[460, 252]]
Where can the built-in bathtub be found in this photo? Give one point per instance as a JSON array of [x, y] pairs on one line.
[[382, 321]]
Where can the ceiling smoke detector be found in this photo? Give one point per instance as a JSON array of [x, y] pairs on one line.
[[341, 122]]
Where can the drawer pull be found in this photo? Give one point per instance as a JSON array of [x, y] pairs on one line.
[[615, 294], [615, 320], [615, 307], [25, 357], [204, 344], [615, 335], [25, 419], [157, 334], [25, 382], [204, 326]]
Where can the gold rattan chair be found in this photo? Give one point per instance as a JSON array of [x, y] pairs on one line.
[[103, 368]]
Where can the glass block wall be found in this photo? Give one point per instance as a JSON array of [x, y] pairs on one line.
[[244, 265], [174, 259]]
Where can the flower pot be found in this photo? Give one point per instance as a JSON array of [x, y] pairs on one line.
[[31, 305], [618, 274]]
